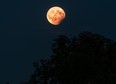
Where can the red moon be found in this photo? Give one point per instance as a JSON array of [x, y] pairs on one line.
[[55, 15]]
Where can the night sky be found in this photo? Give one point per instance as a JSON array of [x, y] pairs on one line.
[[26, 36]]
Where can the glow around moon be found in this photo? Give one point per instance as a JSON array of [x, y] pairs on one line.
[[55, 15]]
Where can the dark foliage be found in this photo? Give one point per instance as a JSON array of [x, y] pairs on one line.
[[86, 59]]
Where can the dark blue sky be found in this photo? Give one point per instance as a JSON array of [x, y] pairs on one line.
[[26, 36]]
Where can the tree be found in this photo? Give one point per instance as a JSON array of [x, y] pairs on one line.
[[86, 59]]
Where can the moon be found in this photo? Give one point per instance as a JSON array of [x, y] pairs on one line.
[[55, 15]]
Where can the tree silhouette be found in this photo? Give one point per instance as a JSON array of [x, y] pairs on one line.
[[86, 59]]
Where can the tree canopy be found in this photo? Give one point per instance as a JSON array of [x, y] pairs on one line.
[[86, 59]]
